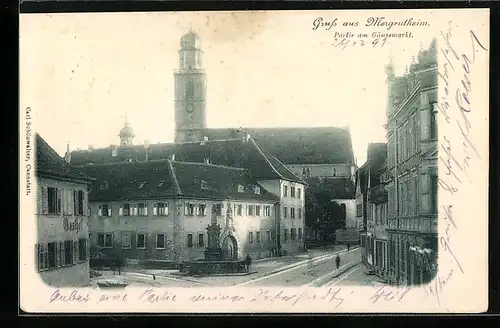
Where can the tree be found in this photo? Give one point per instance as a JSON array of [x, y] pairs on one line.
[[322, 215]]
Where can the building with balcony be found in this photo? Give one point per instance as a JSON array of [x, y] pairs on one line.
[[62, 248], [412, 175]]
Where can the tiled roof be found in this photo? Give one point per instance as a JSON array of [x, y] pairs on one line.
[[337, 187], [323, 145], [166, 179], [231, 152], [49, 163], [318, 145]]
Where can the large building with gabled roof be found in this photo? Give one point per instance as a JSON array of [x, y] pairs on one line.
[[281, 159]]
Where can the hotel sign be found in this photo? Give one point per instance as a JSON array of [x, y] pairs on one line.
[[75, 225]]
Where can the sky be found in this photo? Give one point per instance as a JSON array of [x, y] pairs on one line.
[[82, 73]]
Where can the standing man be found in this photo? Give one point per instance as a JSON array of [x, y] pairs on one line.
[[348, 247], [337, 260], [248, 262], [310, 262]]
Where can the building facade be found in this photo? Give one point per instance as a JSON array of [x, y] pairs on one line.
[[377, 221], [368, 197], [62, 250], [412, 171], [267, 209]]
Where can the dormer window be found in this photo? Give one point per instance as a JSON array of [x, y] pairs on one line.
[[257, 190], [241, 188], [114, 152], [141, 185], [103, 185], [204, 185]]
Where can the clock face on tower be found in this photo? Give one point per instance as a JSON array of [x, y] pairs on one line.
[[189, 108]]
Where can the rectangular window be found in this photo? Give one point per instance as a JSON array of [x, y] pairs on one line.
[[257, 190], [300, 212], [285, 191], [250, 210], [105, 240], [267, 210], [82, 248], [189, 209], [359, 210], [433, 123], [299, 193], [78, 202], [141, 241], [104, 210], [250, 237], [257, 236], [127, 240], [201, 240], [125, 209], [300, 233], [68, 252], [54, 200], [202, 209], [160, 241], [268, 236], [160, 209], [42, 256], [434, 193], [239, 210], [52, 255], [293, 233], [285, 235], [285, 212], [143, 209], [292, 191], [190, 240], [218, 209], [257, 210], [292, 212]]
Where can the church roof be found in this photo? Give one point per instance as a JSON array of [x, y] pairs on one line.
[[167, 179], [49, 163], [317, 145], [336, 187], [237, 153]]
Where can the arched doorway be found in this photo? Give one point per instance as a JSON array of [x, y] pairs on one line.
[[230, 248]]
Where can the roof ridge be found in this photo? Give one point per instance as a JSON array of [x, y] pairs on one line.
[[286, 168], [210, 164], [174, 177], [265, 158]]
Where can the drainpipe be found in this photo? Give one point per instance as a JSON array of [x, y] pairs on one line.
[[277, 210]]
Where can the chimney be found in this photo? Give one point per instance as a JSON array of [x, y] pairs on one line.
[[67, 156], [172, 157]]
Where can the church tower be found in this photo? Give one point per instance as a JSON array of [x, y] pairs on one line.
[[126, 134], [190, 91]]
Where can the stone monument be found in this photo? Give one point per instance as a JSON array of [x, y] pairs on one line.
[[213, 251]]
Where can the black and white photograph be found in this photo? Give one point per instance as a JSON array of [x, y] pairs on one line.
[[254, 161]]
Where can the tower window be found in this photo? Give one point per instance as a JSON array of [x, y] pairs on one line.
[[189, 90]]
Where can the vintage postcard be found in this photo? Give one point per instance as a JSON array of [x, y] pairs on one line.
[[266, 161]]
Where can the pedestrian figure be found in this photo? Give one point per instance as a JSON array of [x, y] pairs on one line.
[[337, 260], [154, 277], [310, 262], [248, 262], [348, 247]]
